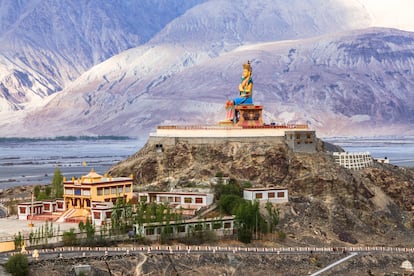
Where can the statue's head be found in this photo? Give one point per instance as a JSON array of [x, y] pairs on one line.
[[247, 69]]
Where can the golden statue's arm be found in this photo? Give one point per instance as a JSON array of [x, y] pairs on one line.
[[245, 87]]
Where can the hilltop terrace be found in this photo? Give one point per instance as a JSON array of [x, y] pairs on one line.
[[227, 131]]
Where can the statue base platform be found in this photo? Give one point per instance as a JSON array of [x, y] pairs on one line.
[[226, 123], [248, 115]]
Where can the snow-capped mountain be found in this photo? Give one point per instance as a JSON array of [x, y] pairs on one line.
[[313, 61], [46, 44]]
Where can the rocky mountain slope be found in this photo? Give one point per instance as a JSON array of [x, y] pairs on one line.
[[47, 44], [310, 64], [357, 83], [328, 204]]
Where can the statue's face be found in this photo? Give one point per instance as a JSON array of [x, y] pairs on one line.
[[246, 73]]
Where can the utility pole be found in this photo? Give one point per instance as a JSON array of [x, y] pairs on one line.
[[31, 211], [256, 227]]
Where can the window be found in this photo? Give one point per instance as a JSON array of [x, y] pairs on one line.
[[120, 190], [107, 191], [77, 191], [99, 191], [227, 225], [308, 139], [170, 199], [280, 194], [181, 228], [86, 192], [178, 199], [198, 227], [46, 207], [188, 200], [217, 225], [271, 195], [22, 210], [108, 214], [60, 205], [149, 231], [113, 190], [127, 188], [199, 200], [259, 195], [69, 191], [96, 215], [143, 198]]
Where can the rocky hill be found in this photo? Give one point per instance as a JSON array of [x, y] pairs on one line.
[[328, 204]]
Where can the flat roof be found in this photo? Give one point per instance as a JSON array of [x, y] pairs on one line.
[[265, 189], [103, 180], [175, 193], [205, 131]]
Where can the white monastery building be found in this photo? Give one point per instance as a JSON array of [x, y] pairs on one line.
[[272, 194]]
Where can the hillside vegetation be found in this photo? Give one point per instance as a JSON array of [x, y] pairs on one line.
[[328, 204]]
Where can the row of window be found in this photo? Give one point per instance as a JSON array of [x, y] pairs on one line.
[[77, 191], [271, 195], [176, 199], [97, 214], [36, 210], [299, 136], [149, 231], [114, 190]]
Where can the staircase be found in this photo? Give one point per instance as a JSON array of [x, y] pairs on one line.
[[65, 215]]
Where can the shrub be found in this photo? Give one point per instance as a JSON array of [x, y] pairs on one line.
[[281, 235], [229, 203], [69, 237], [17, 265]]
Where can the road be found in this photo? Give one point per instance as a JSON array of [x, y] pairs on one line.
[[70, 252], [344, 253]]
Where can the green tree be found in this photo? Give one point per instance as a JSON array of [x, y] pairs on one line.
[[159, 217], [273, 216], [48, 191], [232, 188], [17, 265], [69, 237], [36, 191], [116, 215], [140, 213], [57, 183], [81, 226], [90, 232], [249, 221], [229, 203], [18, 241]]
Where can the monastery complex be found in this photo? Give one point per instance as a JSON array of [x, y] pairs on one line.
[[93, 195]]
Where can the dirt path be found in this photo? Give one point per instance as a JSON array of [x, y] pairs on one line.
[[138, 269]]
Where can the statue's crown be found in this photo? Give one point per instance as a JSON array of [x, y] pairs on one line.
[[247, 66]]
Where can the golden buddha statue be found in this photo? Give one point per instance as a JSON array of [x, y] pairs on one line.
[[245, 90]]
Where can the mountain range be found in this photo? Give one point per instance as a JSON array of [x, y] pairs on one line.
[[124, 67]]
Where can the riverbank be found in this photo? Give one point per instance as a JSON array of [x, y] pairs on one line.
[[33, 162]]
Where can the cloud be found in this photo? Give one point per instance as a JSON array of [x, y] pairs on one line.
[[392, 14]]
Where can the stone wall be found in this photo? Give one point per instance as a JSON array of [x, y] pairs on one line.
[[170, 141]]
